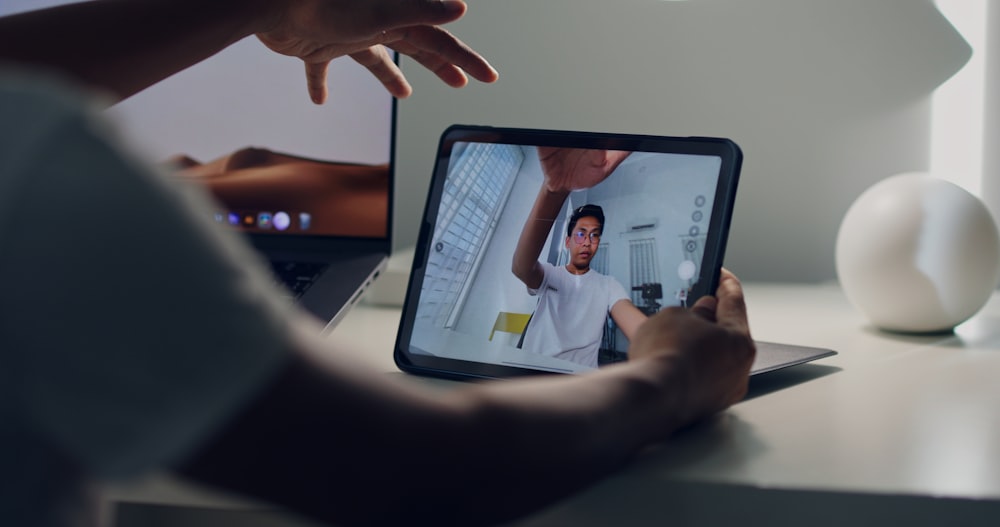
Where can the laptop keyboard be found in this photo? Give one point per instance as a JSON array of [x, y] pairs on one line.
[[298, 277]]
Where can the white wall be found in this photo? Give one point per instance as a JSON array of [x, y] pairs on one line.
[[824, 96], [991, 133]]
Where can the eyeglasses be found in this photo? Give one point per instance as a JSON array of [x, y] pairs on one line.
[[580, 237]]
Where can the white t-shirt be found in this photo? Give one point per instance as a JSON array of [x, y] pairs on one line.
[[130, 326], [571, 314]]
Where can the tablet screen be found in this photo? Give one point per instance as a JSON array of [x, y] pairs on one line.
[[517, 274]]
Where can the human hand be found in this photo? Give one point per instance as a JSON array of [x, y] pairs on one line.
[[707, 349], [569, 169], [318, 31]]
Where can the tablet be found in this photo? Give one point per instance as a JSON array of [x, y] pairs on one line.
[[540, 251]]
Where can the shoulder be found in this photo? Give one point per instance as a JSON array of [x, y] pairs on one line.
[[550, 269], [612, 284], [552, 278], [40, 112], [33, 100]]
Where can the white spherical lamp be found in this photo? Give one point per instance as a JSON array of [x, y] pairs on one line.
[[918, 254]]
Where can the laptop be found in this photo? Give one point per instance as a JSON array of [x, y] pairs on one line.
[[654, 232], [310, 186]]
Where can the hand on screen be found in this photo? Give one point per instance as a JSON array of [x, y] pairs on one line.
[[318, 31], [710, 344], [577, 168]]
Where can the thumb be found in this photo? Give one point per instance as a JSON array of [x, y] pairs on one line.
[[419, 12], [706, 307]]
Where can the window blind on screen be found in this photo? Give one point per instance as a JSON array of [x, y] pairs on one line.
[[479, 181]]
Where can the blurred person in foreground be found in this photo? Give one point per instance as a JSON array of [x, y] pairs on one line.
[[166, 347]]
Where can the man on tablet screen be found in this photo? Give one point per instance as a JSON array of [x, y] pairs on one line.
[[574, 300]]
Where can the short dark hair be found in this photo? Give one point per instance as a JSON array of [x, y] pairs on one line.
[[582, 212]]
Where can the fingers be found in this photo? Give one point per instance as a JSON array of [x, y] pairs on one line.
[[728, 307], [318, 32], [375, 59], [731, 311], [440, 52], [706, 307], [378, 61], [615, 158], [434, 48], [316, 80]]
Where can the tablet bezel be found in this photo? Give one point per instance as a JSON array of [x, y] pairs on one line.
[[715, 245]]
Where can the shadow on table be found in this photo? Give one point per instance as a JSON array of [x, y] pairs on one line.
[[982, 332], [765, 383]]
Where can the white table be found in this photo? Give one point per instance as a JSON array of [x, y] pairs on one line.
[[901, 430]]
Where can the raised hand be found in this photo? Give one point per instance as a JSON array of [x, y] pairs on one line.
[[568, 169], [318, 31]]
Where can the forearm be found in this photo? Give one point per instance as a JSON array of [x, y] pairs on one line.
[[627, 317], [536, 229], [517, 447], [334, 447], [552, 438], [124, 46]]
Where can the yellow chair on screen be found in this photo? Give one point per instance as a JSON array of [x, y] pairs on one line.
[[510, 323]]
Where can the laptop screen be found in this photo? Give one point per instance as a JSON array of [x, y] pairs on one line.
[[242, 124]]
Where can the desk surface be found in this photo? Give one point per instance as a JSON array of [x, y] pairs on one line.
[[894, 428]]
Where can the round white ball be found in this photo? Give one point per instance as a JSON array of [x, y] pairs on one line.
[[918, 254]]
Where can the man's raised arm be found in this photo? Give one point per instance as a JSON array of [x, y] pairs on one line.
[[536, 230]]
